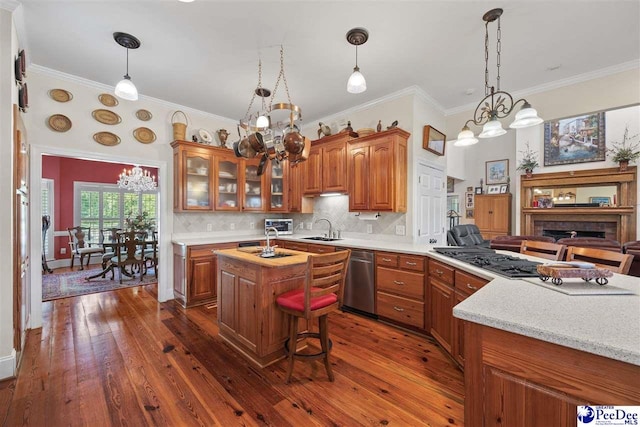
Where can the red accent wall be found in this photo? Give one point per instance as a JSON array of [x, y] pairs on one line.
[[64, 171]]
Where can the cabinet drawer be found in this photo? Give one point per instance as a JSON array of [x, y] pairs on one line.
[[404, 283], [468, 284], [403, 310], [409, 262], [207, 250], [443, 272], [320, 249], [295, 246], [386, 259]]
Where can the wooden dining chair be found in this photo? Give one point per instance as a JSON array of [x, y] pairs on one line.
[[108, 240], [80, 247], [321, 295], [546, 250], [128, 252], [614, 261]]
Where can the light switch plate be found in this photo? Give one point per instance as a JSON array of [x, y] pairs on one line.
[[369, 228], [400, 230], [309, 226], [232, 226], [209, 227], [252, 225]]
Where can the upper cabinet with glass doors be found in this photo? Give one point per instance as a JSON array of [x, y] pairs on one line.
[[193, 177]]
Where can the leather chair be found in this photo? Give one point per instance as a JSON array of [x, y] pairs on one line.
[[467, 235], [591, 242], [322, 294], [633, 248], [512, 243]]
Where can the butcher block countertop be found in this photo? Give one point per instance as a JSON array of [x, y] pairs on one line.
[[252, 256]]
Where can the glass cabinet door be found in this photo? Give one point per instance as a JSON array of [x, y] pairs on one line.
[[197, 178], [227, 185], [253, 188], [278, 187]]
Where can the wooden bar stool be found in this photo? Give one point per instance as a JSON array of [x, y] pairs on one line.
[[321, 295]]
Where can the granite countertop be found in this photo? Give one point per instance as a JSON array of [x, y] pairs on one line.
[[606, 325], [251, 255]]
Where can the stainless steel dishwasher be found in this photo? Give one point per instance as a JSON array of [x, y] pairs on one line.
[[359, 290]]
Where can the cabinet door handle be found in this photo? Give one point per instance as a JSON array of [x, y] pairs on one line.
[[398, 308], [411, 263], [398, 283], [475, 288], [439, 272], [386, 259]]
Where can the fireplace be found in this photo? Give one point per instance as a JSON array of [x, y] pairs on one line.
[[561, 234], [559, 229]]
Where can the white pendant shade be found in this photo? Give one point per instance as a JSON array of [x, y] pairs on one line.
[[465, 138], [492, 129], [526, 117], [356, 83], [262, 122], [125, 89]]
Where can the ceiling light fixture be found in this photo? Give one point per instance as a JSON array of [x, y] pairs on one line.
[[496, 104], [272, 132], [357, 83], [125, 88], [137, 180]]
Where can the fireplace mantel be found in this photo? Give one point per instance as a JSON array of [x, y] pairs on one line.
[[623, 215]]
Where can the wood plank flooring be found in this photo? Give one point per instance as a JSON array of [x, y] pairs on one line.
[[121, 358]]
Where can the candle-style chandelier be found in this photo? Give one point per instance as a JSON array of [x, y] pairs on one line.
[[497, 104], [137, 180], [271, 132]]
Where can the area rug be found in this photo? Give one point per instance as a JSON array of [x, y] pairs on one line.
[[72, 284]]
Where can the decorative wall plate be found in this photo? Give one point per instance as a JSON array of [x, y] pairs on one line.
[[59, 123], [108, 100], [106, 138], [143, 115], [205, 136], [107, 117], [144, 135], [60, 95]]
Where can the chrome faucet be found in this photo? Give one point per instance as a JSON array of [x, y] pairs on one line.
[[269, 250], [330, 226]]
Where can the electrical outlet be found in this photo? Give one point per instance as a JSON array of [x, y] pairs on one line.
[[400, 230], [232, 226], [209, 227], [301, 225], [369, 228], [252, 225], [309, 226], [63, 251]]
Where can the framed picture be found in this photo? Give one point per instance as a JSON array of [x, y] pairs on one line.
[[478, 190], [469, 188], [468, 200], [497, 171], [504, 188], [450, 185], [600, 200], [493, 189], [572, 140], [433, 140], [469, 213]]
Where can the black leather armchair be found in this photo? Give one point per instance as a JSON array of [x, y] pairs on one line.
[[466, 235]]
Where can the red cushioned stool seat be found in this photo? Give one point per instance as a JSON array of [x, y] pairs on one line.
[[294, 300]]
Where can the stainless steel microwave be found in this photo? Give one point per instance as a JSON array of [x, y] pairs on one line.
[[283, 225]]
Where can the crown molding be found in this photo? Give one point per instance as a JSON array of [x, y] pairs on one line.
[[9, 5], [591, 75], [107, 88]]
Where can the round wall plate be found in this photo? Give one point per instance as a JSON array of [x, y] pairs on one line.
[[60, 95], [144, 135], [107, 117], [205, 135], [144, 115], [106, 138], [108, 100], [59, 123]]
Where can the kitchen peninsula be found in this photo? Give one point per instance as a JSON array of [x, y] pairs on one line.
[[248, 284]]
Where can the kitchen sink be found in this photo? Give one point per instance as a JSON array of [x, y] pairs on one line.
[[275, 255], [321, 238]]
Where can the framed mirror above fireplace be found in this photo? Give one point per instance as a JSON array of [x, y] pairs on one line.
[[587, 203]]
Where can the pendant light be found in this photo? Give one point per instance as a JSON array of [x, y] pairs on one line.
[[125, 88], [357, 83], [497, 104]]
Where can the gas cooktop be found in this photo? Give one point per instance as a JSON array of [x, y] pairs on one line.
[[504, 265]]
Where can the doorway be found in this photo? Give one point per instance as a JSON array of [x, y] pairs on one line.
[[431, 196]]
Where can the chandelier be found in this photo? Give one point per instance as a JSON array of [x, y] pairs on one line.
[[271, 133], [137, 180], [497, 104]]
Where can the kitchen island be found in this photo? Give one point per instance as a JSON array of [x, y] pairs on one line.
[[248, 285]]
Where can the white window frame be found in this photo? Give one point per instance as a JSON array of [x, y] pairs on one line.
[[48, 185]]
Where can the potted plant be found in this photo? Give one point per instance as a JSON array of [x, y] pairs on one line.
[[625, 152], [140, 222], [529, 161]]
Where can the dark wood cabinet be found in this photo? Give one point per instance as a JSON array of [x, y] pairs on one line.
[[492, 214], [442, 297], [192, 177], [377, 172], [325, 170]]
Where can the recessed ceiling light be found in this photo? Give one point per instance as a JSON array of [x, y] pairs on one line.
[[470, 91], [185, 1], [554, 67]]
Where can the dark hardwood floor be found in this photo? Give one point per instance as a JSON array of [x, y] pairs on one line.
[[121, 358]]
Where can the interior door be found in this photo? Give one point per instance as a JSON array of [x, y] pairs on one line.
[[432, 198]]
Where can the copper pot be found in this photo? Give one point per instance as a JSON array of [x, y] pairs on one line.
[[294, 142], [249, 147], [304, 154]]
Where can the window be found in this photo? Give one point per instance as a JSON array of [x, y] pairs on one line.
[[47, 209], [100, 206]]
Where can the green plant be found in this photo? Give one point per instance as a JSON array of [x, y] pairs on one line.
[[621, 152], [529, 159], [139, 222]]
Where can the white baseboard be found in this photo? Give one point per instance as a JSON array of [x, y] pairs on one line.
[[8, 365], [66, 262]]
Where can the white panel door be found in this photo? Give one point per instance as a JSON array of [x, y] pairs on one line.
[[431, 205]]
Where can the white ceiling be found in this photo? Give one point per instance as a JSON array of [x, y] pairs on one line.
[[205, 54]]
